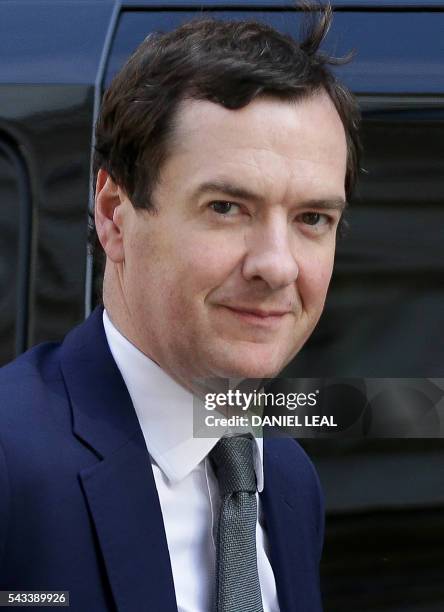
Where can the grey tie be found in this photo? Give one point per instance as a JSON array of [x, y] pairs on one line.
[[237, 580]]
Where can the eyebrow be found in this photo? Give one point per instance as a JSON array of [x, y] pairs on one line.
[[237, 191]]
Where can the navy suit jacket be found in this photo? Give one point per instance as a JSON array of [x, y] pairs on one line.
[[79, 509]]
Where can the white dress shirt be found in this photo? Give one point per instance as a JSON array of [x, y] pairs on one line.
[[185, 481]]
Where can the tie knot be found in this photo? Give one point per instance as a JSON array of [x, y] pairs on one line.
[[232, 460]]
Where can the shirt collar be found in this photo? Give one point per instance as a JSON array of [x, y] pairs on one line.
[[165, 411]]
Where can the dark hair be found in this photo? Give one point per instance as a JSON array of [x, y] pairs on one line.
[[227, 62]]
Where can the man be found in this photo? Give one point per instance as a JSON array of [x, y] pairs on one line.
[[224, 156]]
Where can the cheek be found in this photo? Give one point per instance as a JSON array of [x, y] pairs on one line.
[[186, 279], [314, 280], [206, 261]]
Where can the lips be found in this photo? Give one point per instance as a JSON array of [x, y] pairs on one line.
[[258, 312], [257, 317]]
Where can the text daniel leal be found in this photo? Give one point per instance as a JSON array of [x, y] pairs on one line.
[[286, 420]]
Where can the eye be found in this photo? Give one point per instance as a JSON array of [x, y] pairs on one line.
[[315, 219], [222, 207]]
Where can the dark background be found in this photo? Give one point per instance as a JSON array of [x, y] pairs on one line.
[[384, 316]]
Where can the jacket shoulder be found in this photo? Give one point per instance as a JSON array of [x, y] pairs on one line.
[[31, 393]]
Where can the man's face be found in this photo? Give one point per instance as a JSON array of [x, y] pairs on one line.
[[229, 278]]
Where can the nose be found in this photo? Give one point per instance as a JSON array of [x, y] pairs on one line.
[[270, 254]]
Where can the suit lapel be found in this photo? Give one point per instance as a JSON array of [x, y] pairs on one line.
[[120, 489], [290, 519], [123, 502], [280, 522]]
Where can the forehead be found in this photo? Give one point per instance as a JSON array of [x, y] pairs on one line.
[[281, 142]]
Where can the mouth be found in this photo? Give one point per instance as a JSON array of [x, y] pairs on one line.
[[258, 317]]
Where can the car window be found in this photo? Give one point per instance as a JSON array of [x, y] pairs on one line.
[[407, 58], [14, 250]]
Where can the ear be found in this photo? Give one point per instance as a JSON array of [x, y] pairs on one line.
[[108, 218]]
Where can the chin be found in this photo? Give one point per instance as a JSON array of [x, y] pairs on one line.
[[256, 367]]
